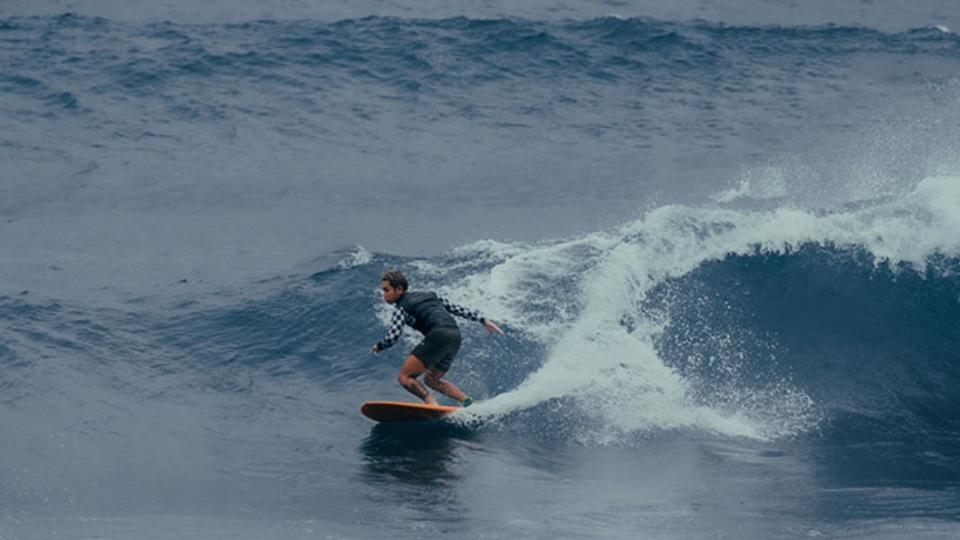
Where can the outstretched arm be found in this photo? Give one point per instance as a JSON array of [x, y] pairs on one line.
[[470, 314]]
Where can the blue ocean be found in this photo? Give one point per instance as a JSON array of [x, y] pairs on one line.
[[722, 239]]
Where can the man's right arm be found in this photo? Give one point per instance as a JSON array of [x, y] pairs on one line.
[[395, 331]]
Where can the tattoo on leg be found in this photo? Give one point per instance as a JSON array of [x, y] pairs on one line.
[[414, 387], [444, 387]]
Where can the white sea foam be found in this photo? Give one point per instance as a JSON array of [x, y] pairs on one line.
[[587, 285], [358, 256], [764, 183]]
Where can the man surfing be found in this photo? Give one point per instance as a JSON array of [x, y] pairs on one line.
[[431, 315]]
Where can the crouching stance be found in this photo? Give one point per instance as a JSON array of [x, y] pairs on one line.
[[430, 315]]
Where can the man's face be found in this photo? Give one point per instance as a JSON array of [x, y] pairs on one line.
[[390, 293]]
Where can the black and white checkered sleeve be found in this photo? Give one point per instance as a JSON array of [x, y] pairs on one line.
[[396, 329], [461, 311]]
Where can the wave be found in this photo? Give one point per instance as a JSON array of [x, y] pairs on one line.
[[873, 345], [640, 334], [764, 324], [426, 55]]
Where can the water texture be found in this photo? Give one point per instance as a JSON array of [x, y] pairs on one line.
[[723, 241]]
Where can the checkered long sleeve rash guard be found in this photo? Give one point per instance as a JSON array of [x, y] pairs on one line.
[[401, 317]]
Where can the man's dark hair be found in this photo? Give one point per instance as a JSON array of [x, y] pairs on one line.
[[396, 279]]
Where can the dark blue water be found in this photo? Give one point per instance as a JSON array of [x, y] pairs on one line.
[[723, 244]]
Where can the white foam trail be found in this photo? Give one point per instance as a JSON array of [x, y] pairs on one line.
[[589, 284]]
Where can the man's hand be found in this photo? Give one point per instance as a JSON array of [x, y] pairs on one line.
[[492, 327], [376, 348]]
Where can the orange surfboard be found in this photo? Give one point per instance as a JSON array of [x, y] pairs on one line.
[[402, 411]]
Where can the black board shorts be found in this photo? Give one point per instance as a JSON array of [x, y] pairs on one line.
[[438, 348]]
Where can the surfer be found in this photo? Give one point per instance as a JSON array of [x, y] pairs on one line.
[[429, 314]]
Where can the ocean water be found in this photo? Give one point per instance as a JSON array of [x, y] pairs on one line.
[[723, 240]]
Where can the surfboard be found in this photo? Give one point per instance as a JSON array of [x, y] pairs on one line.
[[402, 411]]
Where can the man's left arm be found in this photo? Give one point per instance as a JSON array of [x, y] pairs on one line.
[[469, 314]]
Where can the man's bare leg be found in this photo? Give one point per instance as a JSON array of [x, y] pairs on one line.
[[434, 379], [411, 369]]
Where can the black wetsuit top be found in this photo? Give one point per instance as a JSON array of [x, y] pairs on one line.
[[424, 311]]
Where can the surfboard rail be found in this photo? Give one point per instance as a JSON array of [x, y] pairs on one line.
[[404, 411]]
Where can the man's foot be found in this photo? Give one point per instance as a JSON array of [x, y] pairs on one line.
[[429, 400], [467, 402]]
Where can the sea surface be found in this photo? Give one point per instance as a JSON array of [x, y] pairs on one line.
[[722, 239]]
